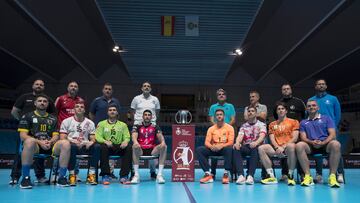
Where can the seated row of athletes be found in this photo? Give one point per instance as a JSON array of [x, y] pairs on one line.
[[78, 135]]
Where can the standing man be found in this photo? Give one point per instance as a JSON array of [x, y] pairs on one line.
[[318, 134], [229, 117], [295, 110], [218, 142], [80, 132], [114, 137], [329, 105], [98, 112], [283, 134], [39, 135], [25, 104], [144, 137], [251, 135], [65, 107], [261, 109], [138, 105]]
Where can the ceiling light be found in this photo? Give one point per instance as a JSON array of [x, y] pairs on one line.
[[237, 52]]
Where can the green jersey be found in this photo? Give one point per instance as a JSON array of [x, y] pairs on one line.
[[115, 132]]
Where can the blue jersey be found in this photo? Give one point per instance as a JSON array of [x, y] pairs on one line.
[[317, 129], [228, 109], [329, 105]]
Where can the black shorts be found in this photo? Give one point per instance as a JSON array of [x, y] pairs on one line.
[[43, 151], [321, 150], [147, 152]]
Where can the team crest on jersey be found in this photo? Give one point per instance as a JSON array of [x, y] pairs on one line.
[[35, 120], [50, 122], [292, 107], [327, 101]]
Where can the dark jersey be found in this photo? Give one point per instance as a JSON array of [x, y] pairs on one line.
[[26, 104], [39, 127], [295, 108], [146, 135]]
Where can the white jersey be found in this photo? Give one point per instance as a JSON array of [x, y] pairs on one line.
[[140, 104], [76, 130]]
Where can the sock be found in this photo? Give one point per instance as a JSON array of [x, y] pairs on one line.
[[161, 168], [62, 171], [226, 172], [136, 170], [72, 172], [26, 170], [92, 170], [270, 171], [291, 172], [207, 172]]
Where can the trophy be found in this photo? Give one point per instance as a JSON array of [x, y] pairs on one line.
[[183, 117]]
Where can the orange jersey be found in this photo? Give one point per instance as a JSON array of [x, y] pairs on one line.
[[283, 131], [223, 135]]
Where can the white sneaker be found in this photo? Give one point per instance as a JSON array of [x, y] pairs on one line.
[[160, 179], [135, 180], [340, 178], [78, 179], [249, 180], [240, 180]]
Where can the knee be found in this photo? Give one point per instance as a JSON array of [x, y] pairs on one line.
[[299, 147], [30, 142], [164, 147], [335, 145], [261, 149], [291, 147], [136, 147], [200, 149], [65, 145]]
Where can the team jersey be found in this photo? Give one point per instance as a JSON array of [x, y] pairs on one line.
[[317, 128], [146, 135], [26, 104], [224, 135], [37, 126], [116, 133], [76, 130], [283, 131], [251, 132], [65, 106]]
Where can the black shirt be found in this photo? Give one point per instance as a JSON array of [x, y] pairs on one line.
[[37, 126], [26, 104], [295, 107]]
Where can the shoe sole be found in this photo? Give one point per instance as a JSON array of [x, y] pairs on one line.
[[206, 182], [62, 185], [25, 187], [269, 183]]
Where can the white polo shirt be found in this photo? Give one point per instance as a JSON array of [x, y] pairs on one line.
[[140, 104]]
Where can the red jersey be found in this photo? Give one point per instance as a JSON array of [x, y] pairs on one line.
[[146, 135], [64, 105]]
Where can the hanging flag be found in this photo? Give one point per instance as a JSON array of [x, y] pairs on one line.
[[191, 25], [167, 25]]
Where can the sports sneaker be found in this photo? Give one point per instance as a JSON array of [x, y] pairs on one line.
[[42, 180], [106, 180], [26, 183], [13, 181], [125, 180], [283, 178], [308, 180], [62, 182], [153, 175], [225, 179], [78, 179], [318, 179], [291, 182], [207, 178], [340, 178], [91, 179], [72, 180], [135, 179], [269, 181], [160, 179], [333, 182], [240, 180], [249, 180], [113, 176]]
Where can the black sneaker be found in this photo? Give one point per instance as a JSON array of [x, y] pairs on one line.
[[62, 182], [153, 175], [14, 181], [113, 176], [26, 183]]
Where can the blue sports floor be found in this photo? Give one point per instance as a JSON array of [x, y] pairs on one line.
[[148, 191]]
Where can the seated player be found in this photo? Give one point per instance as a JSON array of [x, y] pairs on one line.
[[80, 132], [218, 142], [113, 137], [283, 134], [38, 133], [317, 134], [144, 137], [251, 135]]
